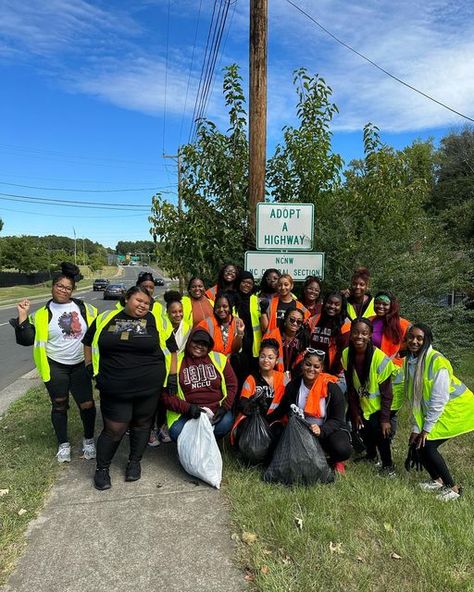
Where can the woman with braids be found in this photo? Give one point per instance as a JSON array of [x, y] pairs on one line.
[[280, 303], [122, 350], [442, 408], [368, 373], [226, 281], [196, 306], [269, 283], [262, 390], [360, 303], [56, 330], [292, 340], [329, 332], [311, 295]]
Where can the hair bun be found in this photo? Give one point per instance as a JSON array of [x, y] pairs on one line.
[[172, 296], [72, 271]]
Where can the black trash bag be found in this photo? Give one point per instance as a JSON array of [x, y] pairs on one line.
[[299, 457], [255, 438]]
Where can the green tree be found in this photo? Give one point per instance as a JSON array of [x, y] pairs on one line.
[[213, 225]]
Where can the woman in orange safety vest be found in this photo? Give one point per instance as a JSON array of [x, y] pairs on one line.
[[226, 330], [280, 303]]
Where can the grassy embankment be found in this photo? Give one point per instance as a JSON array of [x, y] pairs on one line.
[[17, 292], [362, 533]]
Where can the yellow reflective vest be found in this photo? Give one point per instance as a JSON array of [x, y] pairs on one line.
[[368, 312], [40, 321], [458, 415], [219, 361], [163, 324], [381, 368]]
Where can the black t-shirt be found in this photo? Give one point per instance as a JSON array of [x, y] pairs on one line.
[[131, 361], [282, 307]]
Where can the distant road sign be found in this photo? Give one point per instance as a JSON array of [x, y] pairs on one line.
[[287, 226], [298, 265]]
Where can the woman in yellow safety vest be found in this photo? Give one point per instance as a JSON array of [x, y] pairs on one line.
[[442, 408], [56, 330], [197, 306], [368, 373], [359, 302], [122, 350]]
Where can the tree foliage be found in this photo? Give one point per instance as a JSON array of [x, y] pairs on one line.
[[144, 246]]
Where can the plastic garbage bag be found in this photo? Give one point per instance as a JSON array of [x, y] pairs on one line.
[[198, 451], [255, 438], [298, 458]]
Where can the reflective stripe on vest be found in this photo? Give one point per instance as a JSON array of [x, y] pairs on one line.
[[219, 361], [368, 312], [255, 320], [458, 414]]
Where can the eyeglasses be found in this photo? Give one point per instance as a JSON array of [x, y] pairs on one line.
[[315, 352], [63, 288], [294, 321]]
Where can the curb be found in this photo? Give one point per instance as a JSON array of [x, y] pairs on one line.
[[17, 389]]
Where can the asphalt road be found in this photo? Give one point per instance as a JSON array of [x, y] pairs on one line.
[[16, 360]]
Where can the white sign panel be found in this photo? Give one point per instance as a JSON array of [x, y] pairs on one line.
[[298, 265], [285, 226]]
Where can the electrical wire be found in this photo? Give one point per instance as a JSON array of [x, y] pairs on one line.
[[94, 217], [83, 190], [364, 57], [73, 203]]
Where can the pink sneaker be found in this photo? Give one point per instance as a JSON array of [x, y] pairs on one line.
[[340, 468], [153, 440]]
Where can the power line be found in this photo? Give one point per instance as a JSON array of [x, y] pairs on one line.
[[83, 190], [94, 217], [190, 72], [166, 72], [95, 181], [364, 57], [73, 203]]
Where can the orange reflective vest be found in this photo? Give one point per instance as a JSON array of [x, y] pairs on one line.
[[318, 391], [280, 380], [211, 293], [390, 348], [332, 350], [214, 329], [273, 308], [280, 365]]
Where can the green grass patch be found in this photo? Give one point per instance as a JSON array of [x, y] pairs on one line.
[[28, 468], [362, 533]]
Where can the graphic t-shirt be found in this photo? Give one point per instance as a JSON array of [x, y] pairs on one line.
[[131, 361], [263, 391], [65, 332]]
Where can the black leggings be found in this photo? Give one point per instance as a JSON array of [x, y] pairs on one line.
[[65, 379], [434, 463], [374, 441], [337, 446], [119, 414]]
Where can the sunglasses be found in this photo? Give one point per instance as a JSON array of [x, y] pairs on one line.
[[315, 352], [294, 321]]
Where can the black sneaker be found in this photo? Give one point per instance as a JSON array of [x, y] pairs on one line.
[[133, 472], [102, 479], [366, 459], [388, 471]]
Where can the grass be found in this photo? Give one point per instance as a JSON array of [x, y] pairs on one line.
[[28, 468], [18, 292], [363, 533]]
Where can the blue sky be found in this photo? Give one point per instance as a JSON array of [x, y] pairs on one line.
[[83, 102]]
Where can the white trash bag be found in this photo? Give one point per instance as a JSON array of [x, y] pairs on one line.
[[198, 451]]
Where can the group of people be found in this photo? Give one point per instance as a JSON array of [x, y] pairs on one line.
[[347, 360]]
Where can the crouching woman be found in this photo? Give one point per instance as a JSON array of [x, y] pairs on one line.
[[322, 401], [204, 381]]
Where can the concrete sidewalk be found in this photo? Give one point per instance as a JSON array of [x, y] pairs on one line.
[[165, 532]]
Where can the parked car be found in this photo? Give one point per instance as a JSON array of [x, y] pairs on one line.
[[100, 284], [114, 292], [159, 281]]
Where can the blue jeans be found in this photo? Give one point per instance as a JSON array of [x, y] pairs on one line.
[[221, 428]]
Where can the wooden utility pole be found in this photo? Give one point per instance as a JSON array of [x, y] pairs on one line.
[[177, 158], [258, 105]]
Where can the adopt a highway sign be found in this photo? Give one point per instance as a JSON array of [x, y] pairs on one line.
[[286, 226], [298, 265]]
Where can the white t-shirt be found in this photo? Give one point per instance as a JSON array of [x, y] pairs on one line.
[[65, 332], [303, 397]]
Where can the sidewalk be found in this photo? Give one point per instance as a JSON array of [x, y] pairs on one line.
[[164, 532]]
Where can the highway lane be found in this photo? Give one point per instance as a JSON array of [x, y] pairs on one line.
[[17, 359]]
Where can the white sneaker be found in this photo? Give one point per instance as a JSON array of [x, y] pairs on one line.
[[88, 448], [164, 435], [430, 485], [64, 453], [447, 495], [153, 440]]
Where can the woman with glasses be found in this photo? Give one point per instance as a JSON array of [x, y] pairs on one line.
[[323, 404], [292, 340], [283, 301], [56, 330], [226, 281]]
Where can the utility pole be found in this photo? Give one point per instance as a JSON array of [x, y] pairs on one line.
[[177, 158], [258, 105], [75, 246]]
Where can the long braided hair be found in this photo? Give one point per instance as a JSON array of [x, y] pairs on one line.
[[369, 352]]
